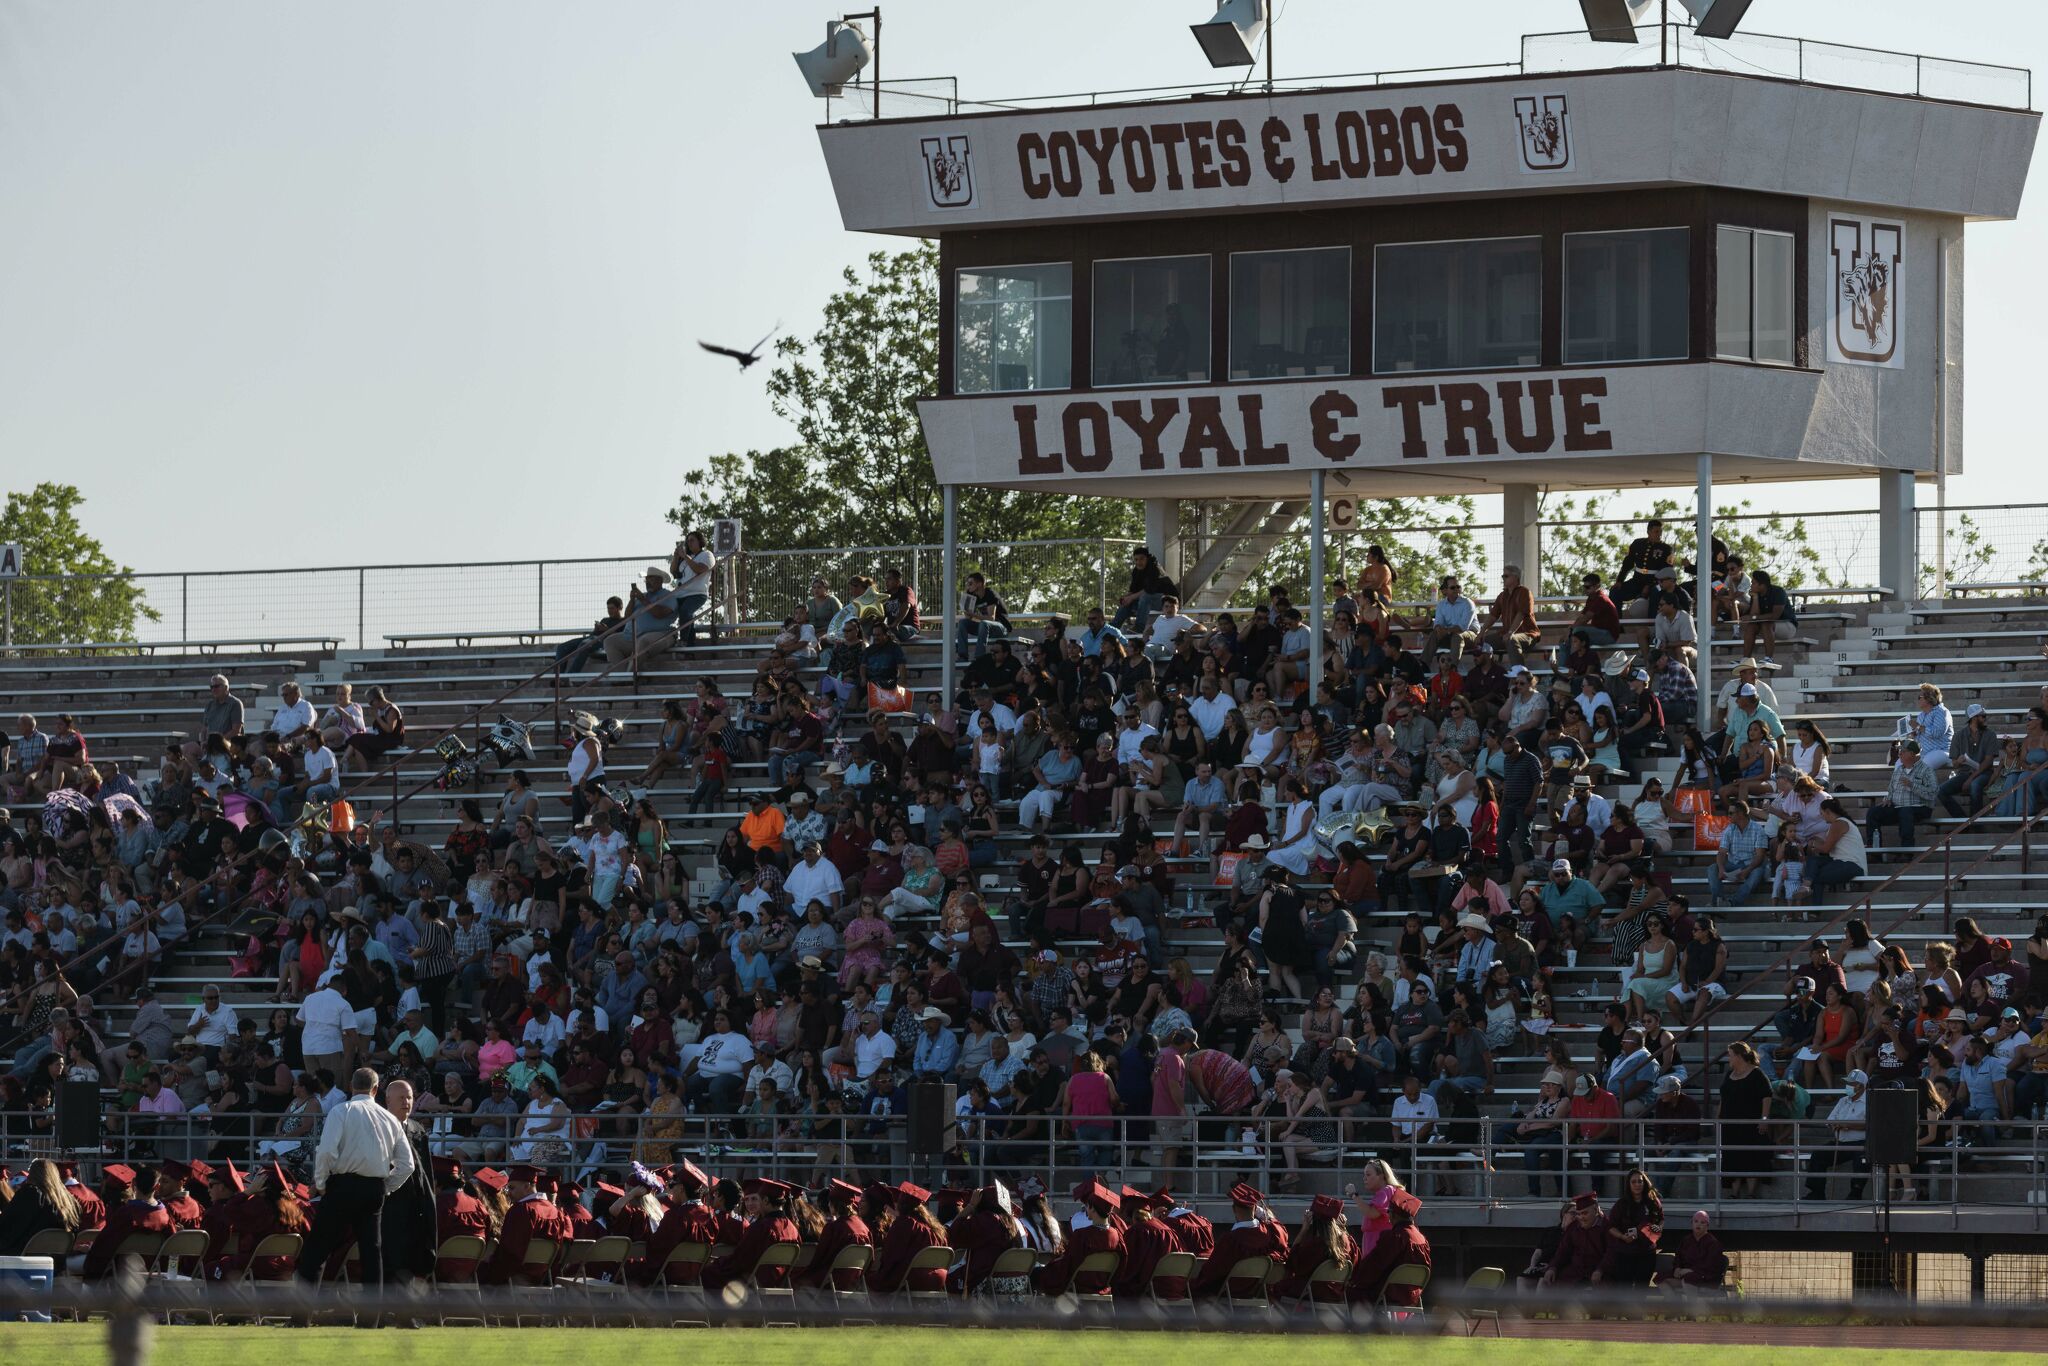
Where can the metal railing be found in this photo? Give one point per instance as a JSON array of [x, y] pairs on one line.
[[1569, 52], [2002, 547], [1481, 1165]]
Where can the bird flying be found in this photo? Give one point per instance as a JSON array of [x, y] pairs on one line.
[[750, 355]]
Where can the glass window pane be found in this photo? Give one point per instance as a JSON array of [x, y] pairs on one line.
[[1732, 293], [1626, 296], [1459, 305], [1774, 297], [1290, 313], [1152, 321], [1013, 328]]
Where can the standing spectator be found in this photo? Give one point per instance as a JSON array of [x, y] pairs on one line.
[[691, 564]]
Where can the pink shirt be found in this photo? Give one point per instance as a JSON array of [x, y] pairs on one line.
[[1088, 1095], [1168, 1073]]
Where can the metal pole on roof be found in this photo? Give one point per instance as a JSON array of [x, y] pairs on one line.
[[947, 626], [1703, 621], [1940, 423], [1315, 583]]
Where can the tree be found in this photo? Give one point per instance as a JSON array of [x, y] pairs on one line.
[[1450, 545], [99, 602], [1577, 538], [858, 473]]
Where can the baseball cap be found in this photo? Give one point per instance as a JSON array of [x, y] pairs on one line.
[[1746, 690], [1974, 709], [1582, 1085], [1518, 671], [1857, 1077], [1640, 675], [2008, 1014], [1563, 865], [1669, 1083]]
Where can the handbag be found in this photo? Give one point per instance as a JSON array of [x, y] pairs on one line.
[[1693, 800], [1706, 830]]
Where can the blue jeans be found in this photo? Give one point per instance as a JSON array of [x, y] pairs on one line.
[[1092, 1144], [1751, 880], [1140, 610]]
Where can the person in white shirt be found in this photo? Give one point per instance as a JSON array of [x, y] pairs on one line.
[[1211, 709], [692, 564], [1132, 734], [363, 1156], [327, 1027], [1846, 1123], [813, 878], [1414, 1113], [318, 764], [294, 715], [605, 850], [1168, 627], [544, 1027], [214, 1023]]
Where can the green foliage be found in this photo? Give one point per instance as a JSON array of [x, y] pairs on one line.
[[859, 475], [1776, 543], [1450, 545], [53, 542], [1972, 557]]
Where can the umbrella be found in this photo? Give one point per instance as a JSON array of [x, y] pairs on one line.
[[428, 861], [58, 806], [118, 804]]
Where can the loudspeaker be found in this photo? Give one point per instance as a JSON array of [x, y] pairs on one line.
[[78, 1114], [1891, 1127], [934, 1128]]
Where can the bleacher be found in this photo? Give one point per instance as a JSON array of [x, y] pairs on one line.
[[1853, 671]]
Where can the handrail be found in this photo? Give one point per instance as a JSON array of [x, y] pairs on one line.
[[1864, 903]]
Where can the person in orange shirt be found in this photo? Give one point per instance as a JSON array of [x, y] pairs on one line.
[[761, 828]]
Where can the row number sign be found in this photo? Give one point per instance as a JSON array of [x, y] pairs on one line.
[[10, 560]]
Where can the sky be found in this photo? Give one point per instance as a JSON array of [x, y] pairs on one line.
[[443, 267]]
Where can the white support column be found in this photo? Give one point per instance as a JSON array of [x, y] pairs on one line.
[[1898, 535], [1521, 542], [1703, 620], [1162, 535], [1315, 583], [948, 594]]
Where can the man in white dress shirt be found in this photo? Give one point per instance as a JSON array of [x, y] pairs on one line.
[[363, 1156]]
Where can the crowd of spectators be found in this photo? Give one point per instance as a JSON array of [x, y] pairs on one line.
[[1412, 857]]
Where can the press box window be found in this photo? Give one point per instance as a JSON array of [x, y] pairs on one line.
[[1753, 295], [1290, 313], [1458, 305], [1151, 321], [1013, 329], [1626, 296]]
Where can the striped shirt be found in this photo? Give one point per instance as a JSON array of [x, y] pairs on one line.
[[437, 949]]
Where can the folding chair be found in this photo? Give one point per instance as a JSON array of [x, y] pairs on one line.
[[286, 1245], [1174, 1266], [1330, 1271], [604, 1265], [855, 1258], [454, 1250], [1485, 1278], [681, 1280], [1103, 1264], [1259, 1271], [1010, 1263], [781, 1255], [927, 1259], [1666, 1272], [1412, 1274], [539, 1260]]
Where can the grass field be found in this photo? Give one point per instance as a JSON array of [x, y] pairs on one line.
[[198, 1346]]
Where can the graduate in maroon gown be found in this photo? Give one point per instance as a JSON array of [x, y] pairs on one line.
[[176, 1195], [1147, 1238], [1323, 1236], [276, 1208], [145, 1215], [532, 1216], [1402, 1244], [1192, 1232], [226, 1206], [843, 1230], [911, 1232], [688, 1220], [92, 1209], [457, 1214], [769, 1223], [1254, 1233], [1091, 1232], [584, 1223], [1582, 1247], [985, 1230], [727, 1199]]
